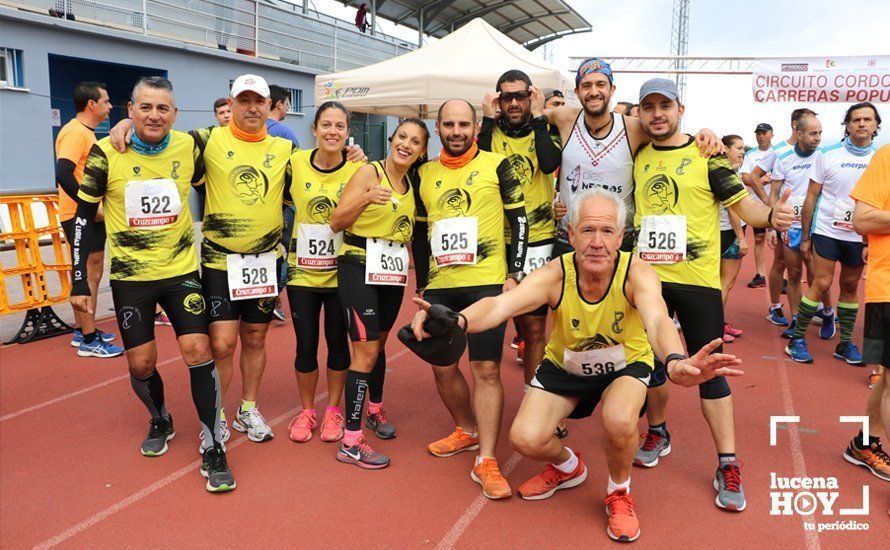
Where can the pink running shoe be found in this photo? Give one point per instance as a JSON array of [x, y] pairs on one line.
[[301, 426], [332, 426], [728, 328]]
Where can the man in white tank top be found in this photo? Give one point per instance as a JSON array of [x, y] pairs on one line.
[[598, 147]]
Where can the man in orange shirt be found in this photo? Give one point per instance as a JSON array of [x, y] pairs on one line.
[[871, 219], [73, 145]]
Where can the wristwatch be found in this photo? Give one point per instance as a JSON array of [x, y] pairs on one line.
[[517, 276]]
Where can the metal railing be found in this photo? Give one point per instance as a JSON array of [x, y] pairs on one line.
[[280, 31]]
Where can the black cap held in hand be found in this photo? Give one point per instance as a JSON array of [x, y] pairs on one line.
[[446, 343]]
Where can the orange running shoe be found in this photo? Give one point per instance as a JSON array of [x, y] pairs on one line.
[[520, 352], [623, 523], [332, 426], [551, 480], [488, 475], [873, 379], [874, 458], [301, 426], [456, 442]]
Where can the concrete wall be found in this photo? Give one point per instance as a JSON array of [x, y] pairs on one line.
[[199, 76]]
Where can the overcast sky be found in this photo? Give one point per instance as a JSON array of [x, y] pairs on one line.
[[717, 28]]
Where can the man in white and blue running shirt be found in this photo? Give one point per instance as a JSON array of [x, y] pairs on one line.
[[791, 174], [828, 235], [764, 135]]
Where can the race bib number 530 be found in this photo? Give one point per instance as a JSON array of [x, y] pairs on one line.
[[252, 275], [386, 263]]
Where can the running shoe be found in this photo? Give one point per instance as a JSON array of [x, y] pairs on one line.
[[759, 281], [728, 328], [380, 424], [457, 441], [253, 424], [160, 431], [77, 337], [873, 378], [728, 338], [278, 312], [847, 351], [162, 319], [623, 523], [728, 483], [788, 333], [829, 329], [488, 475], [776, 317], [797, 349], [551, 480], [332, 426], [874, 458], [99, 348], [215, 468], [301, 426], [224, 436], [520, 352], [653, 447], [515, 343], [362, 455]]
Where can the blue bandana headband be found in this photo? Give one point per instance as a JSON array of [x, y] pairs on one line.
[[593, 65], [147, 148]]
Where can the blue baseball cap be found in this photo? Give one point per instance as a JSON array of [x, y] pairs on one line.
[[593, 65]]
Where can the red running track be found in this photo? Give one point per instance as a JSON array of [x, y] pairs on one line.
[[72, 474]]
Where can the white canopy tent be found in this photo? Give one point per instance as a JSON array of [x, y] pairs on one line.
[[464, 64]]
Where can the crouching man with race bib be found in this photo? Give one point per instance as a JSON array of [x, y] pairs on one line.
[[608, 317]]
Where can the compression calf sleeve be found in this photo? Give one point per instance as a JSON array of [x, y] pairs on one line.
[[805, 312], [377, 379], [207, 397], [150, 391], [356, 390], [846, 313]]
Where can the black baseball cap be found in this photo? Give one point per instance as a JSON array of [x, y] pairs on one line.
[[763, 127]]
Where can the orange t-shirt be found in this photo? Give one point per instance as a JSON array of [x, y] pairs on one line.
[[73, 143], [873, 188]]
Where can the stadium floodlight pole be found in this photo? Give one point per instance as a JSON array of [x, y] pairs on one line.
[[680, 43]]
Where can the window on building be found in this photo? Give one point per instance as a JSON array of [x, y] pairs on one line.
[[11, 73], [296, 100]]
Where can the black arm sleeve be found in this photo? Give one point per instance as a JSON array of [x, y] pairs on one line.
[[65, 177], [83, 220], [518, 239], [485, 133], [549, 153], [420, 246]]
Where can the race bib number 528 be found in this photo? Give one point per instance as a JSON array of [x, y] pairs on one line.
[[252, 275]]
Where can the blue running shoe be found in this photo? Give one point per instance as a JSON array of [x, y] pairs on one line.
[[797, 349], [776, 317], [99, 348], [847, 351], [77, 339], [789, 332], [829, 329]]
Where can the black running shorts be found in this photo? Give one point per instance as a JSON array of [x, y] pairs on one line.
[[483, 346], [135, 303], [588, 390], [370, 309], [222, 308], [876, 335]]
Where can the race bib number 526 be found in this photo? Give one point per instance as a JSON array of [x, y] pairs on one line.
[[662, 239]]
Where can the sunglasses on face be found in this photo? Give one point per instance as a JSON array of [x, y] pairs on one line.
[[508, 97]]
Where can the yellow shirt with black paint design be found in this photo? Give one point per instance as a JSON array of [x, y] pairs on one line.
[[538, 188], [143, 253], [678, 181], [393, 221], [245, 184], [482, 189], [580, 325], [315, 194]]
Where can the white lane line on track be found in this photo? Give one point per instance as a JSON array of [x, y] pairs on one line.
[[81, 391], [160, 484], [473, 510]]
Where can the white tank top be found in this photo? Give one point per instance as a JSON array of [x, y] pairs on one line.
[[589, 162]]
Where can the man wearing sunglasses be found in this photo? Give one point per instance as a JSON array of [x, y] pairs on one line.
[[514, 125]]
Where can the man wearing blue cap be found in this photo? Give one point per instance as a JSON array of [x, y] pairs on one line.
[[598, 147], [676, 198]]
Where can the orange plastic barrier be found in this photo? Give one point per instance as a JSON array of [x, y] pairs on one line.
[[31, 268]]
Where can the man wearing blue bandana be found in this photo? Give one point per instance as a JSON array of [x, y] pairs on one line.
[[599, 147], [827, 235]]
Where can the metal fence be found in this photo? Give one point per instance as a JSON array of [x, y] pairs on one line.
[[279, 31]]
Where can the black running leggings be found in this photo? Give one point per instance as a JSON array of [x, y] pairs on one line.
[[305, 309]]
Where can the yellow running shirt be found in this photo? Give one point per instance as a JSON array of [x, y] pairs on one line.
[[245, 184], [147, 216], [312, 258], [463, 200], [677, 191], [538, 188], [393, 221], [596, 338]]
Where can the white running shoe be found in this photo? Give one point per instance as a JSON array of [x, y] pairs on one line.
[[253, 424], [224, 436]]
